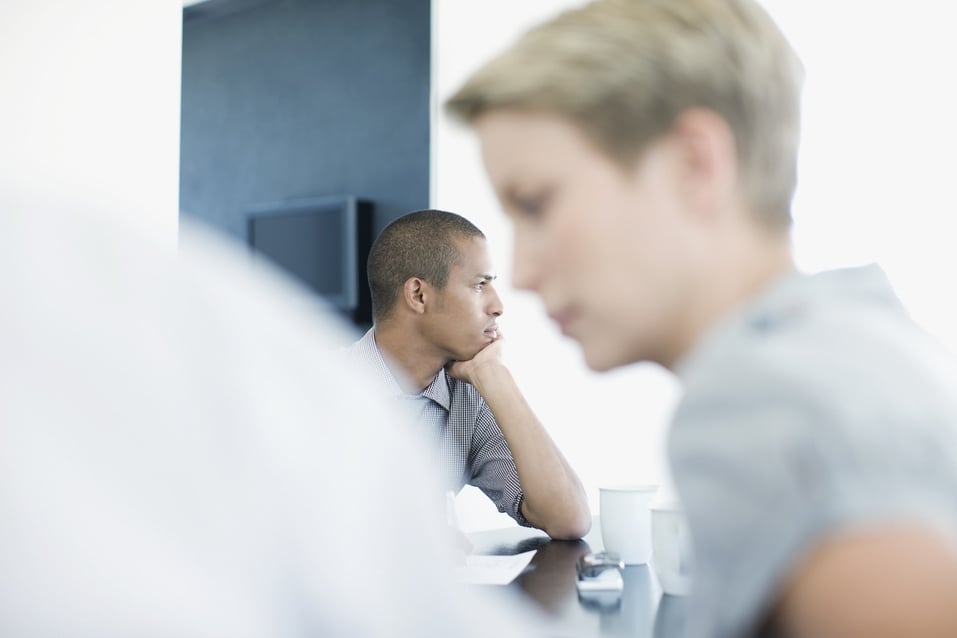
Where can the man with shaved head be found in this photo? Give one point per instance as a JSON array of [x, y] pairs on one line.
[[436, 347]]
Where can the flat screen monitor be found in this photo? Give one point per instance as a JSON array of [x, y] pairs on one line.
[[323, 242]]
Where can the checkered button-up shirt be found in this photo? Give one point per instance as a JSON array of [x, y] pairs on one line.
[[472, 447]]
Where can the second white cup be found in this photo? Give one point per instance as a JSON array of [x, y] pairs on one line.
[[672, 554], [625, 520]]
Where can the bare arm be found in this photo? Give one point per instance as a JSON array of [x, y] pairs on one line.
[[881, 584], [554, 497]]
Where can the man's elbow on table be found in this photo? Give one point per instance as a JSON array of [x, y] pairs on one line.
[[571, 532], [569, 525]]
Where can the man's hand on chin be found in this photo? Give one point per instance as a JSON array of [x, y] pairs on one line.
[[489, 355]]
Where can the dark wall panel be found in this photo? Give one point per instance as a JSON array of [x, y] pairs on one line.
[[289, 99]]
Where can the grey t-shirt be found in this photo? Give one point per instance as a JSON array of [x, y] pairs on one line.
[[819, 408]]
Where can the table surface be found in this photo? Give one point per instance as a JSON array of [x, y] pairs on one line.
[[549, 582]]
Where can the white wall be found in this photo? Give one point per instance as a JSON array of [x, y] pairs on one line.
[[879, 132], [877, 163], [89, 117]]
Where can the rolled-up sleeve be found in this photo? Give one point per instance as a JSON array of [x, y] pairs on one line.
[[492, 469]]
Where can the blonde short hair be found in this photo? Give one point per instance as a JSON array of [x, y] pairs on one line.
[[623, 70]]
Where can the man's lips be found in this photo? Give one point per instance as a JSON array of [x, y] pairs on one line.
[[491, 331]]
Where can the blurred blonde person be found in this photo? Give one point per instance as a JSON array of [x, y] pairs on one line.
[[646, 153]]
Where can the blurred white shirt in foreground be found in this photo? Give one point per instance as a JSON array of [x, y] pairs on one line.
[[182, 455]]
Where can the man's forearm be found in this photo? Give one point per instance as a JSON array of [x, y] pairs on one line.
[[555, 500]]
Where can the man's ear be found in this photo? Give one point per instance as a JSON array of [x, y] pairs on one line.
[[707, 160], [414, 294]]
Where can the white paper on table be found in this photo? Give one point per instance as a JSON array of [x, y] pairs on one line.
[[492, 570]]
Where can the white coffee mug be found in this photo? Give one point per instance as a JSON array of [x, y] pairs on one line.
[[671, 556], [626, 521]]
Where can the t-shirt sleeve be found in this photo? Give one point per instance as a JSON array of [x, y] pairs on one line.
[[776, 451]]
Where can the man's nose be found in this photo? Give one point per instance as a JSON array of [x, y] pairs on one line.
[[495, 308]]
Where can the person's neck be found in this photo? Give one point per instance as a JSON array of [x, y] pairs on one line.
[[743, 271], [408, 356]]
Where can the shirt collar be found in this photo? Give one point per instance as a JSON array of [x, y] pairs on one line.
[[437, 391]]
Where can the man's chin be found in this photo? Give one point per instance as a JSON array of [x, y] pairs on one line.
[[468, 355], [458, 357]]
